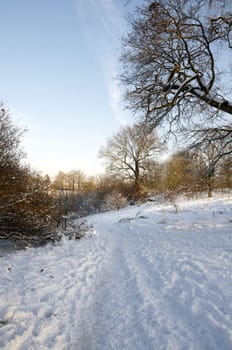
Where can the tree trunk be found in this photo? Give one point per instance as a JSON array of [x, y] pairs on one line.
[[210, 186], [137, 185]]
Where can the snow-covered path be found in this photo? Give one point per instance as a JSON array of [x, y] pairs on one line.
[[148, 279]]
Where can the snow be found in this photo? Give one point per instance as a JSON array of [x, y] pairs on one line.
[[148, 278]]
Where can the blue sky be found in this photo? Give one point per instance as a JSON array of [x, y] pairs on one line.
[[58, 60]]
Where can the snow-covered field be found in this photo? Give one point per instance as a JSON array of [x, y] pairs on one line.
[[148, 278]]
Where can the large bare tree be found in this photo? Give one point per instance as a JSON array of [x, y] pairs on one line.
[[129, 152], [176, 65]]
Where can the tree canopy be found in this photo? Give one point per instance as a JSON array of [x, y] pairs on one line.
[[129, 152], [173, 69]]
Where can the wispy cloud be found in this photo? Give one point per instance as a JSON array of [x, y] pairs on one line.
[[102, 23], [105, 13]]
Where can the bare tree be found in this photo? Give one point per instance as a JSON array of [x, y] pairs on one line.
[[217, 139], [172, 69], [129, 152], [178, 174], [210, 148], [9, 139], [76, 179], [26, 206], [10, 157], [73, 180]]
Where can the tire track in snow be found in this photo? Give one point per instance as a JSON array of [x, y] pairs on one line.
[[114, 320]]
